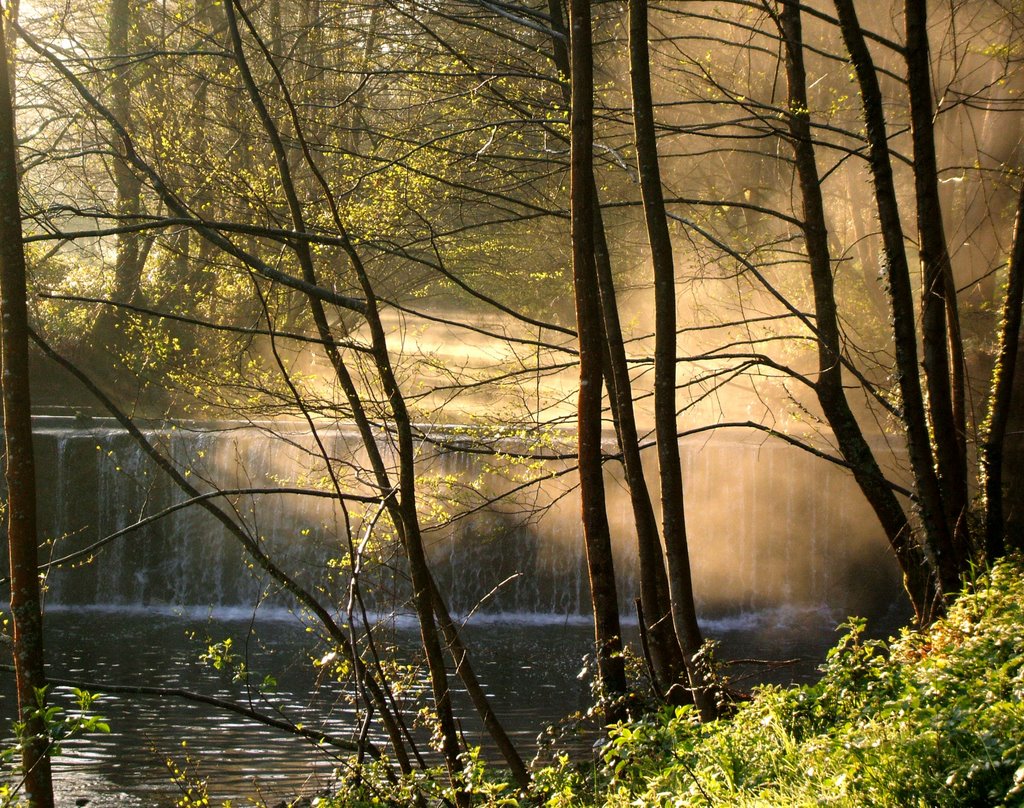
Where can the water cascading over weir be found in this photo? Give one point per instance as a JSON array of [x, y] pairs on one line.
[[769, 525]]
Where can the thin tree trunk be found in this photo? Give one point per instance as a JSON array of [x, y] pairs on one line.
[[403, 510], [666, 653], [918, 577], [10, 42], [684, 610], [1002, 393], [424, 589], [607, 632], [940, 336], [276, 36], [127, 185], [929, 495], [456, 647], [356, 115], [19, 468], [407, 524]]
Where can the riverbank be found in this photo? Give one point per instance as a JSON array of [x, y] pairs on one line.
[[933, 718]]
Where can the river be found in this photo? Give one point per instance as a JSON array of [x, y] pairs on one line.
[[530, 665]]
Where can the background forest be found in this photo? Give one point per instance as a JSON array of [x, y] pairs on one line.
[[379, 287]]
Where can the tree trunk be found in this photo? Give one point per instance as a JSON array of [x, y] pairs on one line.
[[940, 335], [10, 42], [127, 185], [937, 538], [666, 653], [684, 611], [1013, 460], [423, 585], [829, 386], [19, 469], [1002, 394], [607, 632], [276, 43], [669, 667], [356, 114]]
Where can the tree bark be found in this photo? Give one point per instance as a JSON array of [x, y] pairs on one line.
[[937, 538], [10, 43], [667, 660], [1002, 394], [940, 334], [829, 385], [19, 468], [684, 610], [666, 653], [597, 536], [127, 185]]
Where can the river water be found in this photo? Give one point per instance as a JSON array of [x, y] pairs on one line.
[[530, 664]]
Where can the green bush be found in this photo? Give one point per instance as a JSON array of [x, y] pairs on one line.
[[929, 719]]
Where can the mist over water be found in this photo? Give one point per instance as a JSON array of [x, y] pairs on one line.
[[769, 526]]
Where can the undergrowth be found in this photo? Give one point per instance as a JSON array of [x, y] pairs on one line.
[[929, 719]]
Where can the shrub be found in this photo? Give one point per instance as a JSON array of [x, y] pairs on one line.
[[934, 718]]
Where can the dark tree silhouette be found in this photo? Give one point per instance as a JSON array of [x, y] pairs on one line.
[[19, 468]]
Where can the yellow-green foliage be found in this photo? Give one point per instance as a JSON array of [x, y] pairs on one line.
[[932, 719]]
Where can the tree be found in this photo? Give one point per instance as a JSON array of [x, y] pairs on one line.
[[1003, 377], [19, 464], [684, 612], [607, 632], [131, 247]]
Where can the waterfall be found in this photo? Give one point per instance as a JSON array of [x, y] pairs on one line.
[[768, 525]]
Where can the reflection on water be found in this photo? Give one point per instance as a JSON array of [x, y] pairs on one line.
[[530, 665]]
